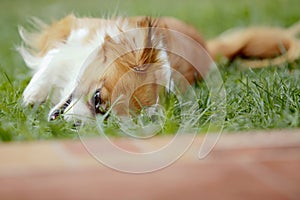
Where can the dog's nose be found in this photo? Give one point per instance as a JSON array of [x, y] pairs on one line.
[[54, 115]]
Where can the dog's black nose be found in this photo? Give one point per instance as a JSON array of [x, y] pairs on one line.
[[54, 115]]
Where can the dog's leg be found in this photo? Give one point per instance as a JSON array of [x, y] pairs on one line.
[[43, 49], [258, 46], [294, 30], [56, 76], [43, 82], [228, 44]]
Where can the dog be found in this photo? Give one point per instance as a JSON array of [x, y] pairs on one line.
[[86, 66]]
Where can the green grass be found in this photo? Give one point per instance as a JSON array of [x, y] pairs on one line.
[[256, 99]]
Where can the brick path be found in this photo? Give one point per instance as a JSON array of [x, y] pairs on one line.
[[241, 166]]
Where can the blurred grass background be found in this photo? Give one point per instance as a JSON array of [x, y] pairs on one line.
[[210, 17]]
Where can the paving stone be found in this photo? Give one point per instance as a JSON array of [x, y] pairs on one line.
[[257, 165]]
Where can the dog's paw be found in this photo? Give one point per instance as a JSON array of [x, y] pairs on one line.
[[35, 94]]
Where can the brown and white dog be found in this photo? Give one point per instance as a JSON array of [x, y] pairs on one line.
[[85, 65]]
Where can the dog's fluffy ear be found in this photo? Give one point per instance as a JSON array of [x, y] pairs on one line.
[[145, 22], [135, 48], [151, 41], [43, 37], [56, 33], [46, 36]]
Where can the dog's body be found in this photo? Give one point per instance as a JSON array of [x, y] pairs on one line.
[[85, 64]]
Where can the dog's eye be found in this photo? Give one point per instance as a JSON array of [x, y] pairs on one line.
[[96, 100]]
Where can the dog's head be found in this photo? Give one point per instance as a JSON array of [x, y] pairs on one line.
[[124, 73]]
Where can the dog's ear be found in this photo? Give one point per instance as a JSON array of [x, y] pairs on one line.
[[56, 33], [152, 40], [44, 37], [136, 48], [145, 22]]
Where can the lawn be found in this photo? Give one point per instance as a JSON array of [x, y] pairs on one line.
[[256, 99]]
